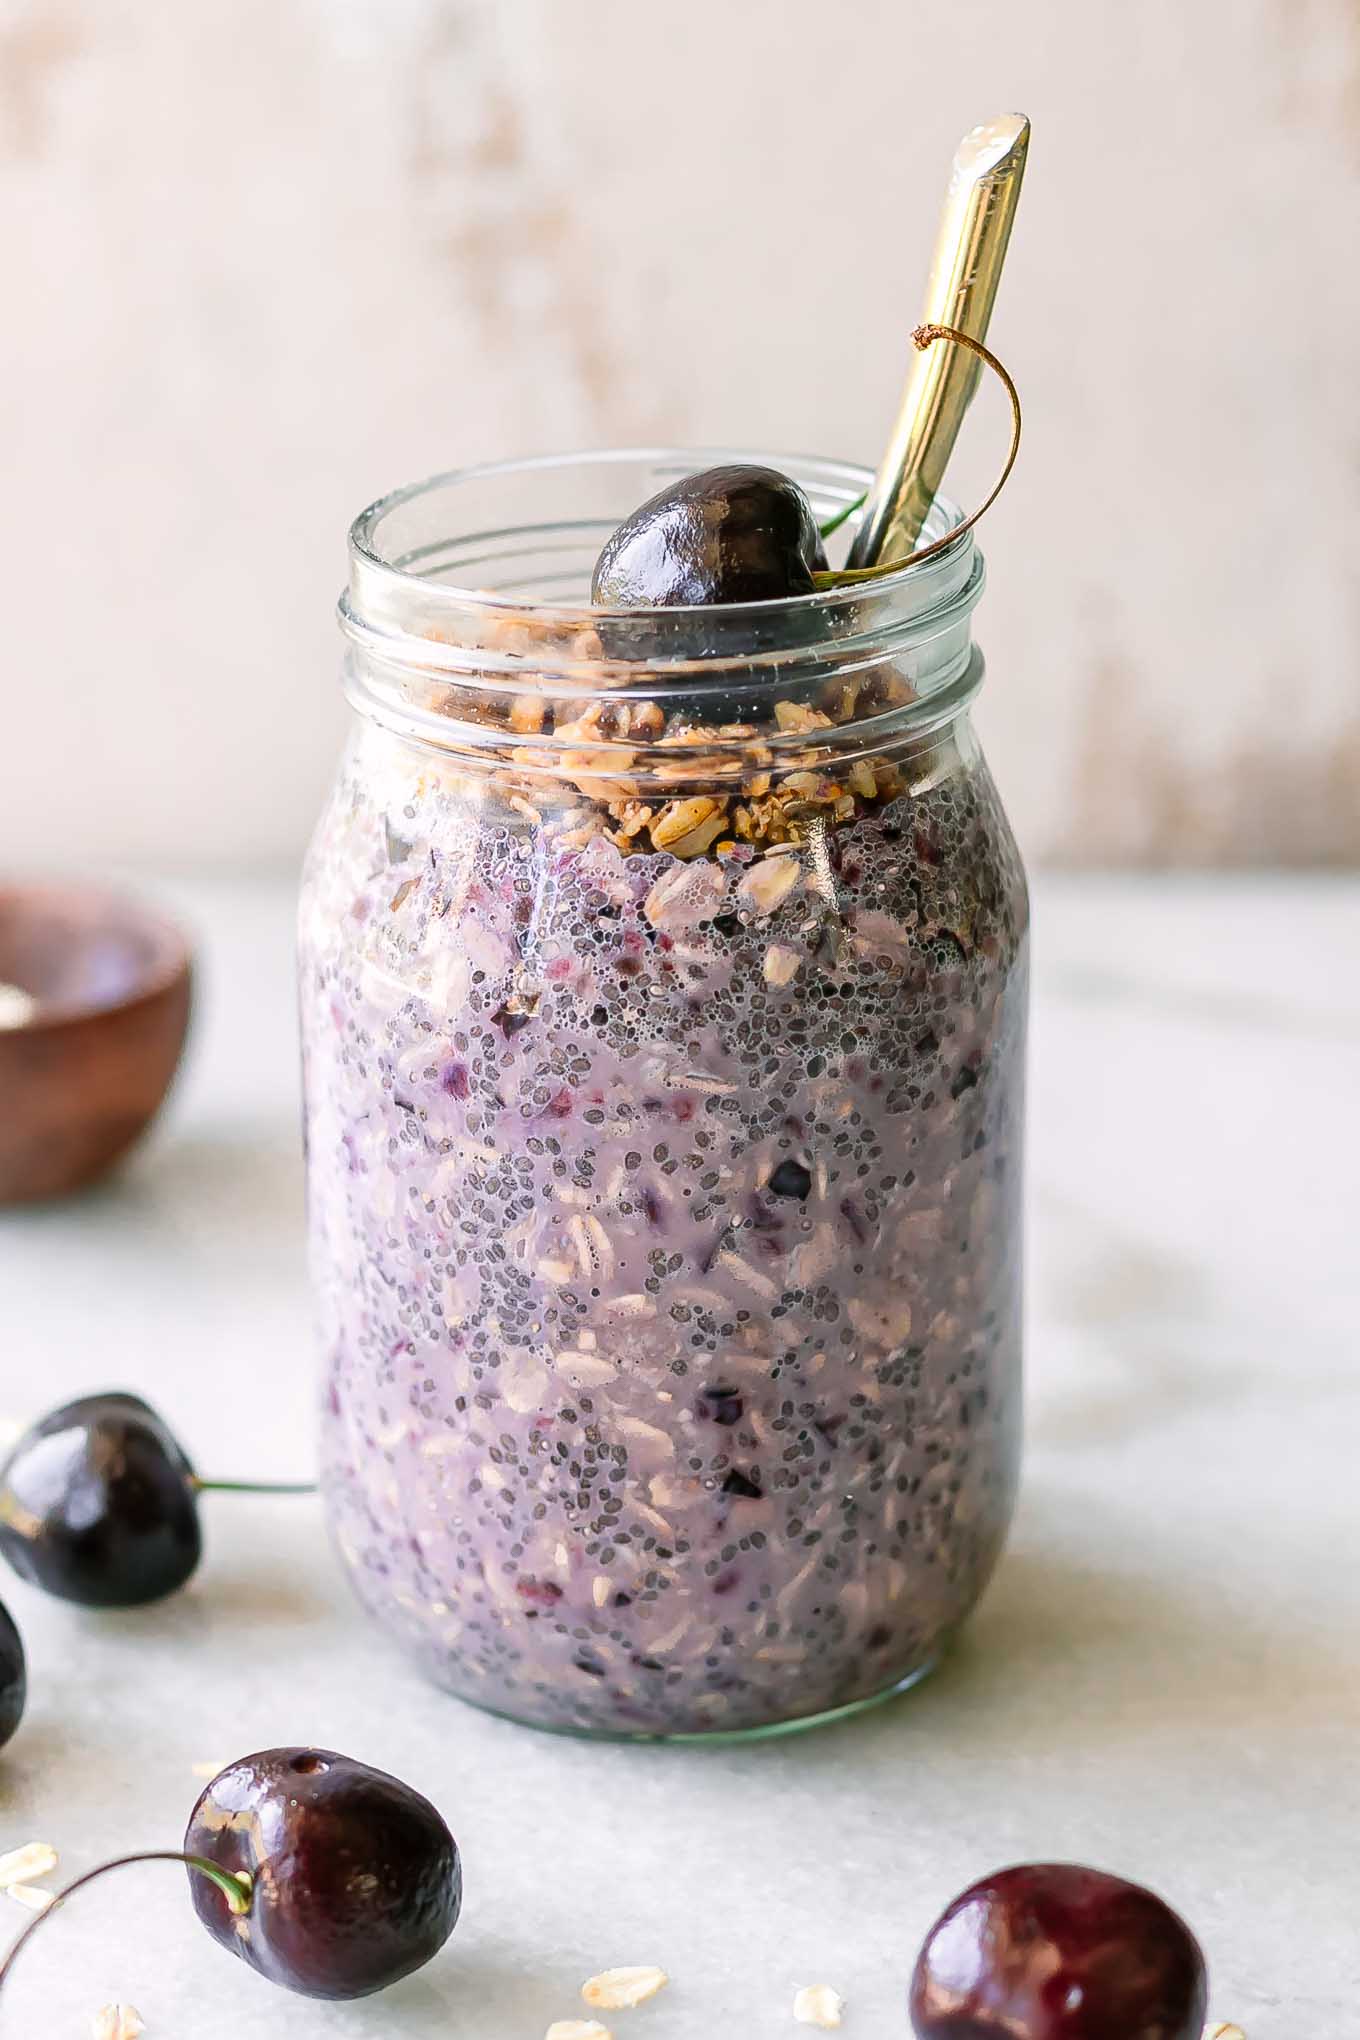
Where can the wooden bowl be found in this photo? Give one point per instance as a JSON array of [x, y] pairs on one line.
[[86, 1072]]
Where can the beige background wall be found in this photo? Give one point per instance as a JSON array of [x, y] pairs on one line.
[[265, 258]]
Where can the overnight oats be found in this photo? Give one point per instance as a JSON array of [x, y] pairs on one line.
[[663, 993]]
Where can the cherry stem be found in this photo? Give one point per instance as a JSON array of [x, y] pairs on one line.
[[835, 523], [926, 336], [235, 1888], [253, 1487]]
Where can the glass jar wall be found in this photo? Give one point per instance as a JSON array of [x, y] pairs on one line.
[[663, 995]]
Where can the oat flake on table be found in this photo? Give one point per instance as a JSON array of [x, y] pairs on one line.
[[578, 2029], [117, 2022], [818, 2005], [615, 1990], [30, 1896], [21, 1866]]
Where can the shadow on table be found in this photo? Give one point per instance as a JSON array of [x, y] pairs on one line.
[[252, 1174], [483, 1986], [1066, 1658], [233, 1606], [1146, 1320], [190, 1196]]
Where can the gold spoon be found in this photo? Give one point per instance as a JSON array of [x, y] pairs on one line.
[[970, 248]]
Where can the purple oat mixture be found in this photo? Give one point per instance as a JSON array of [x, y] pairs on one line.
[[665, 1224]]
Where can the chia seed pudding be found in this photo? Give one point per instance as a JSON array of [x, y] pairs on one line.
[[665, 1226]]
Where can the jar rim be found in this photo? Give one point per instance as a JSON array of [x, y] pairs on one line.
[[383, 574], [451, 665]]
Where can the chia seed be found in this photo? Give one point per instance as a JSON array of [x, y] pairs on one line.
[[509, 1304]]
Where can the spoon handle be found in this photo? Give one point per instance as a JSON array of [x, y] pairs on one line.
[[970, 248]]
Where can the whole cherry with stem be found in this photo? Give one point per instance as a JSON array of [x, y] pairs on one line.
[[747, 535], [326, 1876], [99, 1503]]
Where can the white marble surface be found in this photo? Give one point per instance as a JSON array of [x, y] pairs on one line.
[[1163, 1678]]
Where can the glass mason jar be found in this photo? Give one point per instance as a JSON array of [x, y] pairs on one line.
[[663, 999]]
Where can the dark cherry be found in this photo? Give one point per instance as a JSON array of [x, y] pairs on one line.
[[326, 1876], [98, 1505], [1051, 1951], [13, 1676], [355, 1879], [728, 534], [668, 577]]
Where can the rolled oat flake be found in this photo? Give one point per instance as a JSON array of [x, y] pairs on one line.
[[17, 1007], [615, 1990], [117, 2022], [818, 2005], [22, 1865]]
